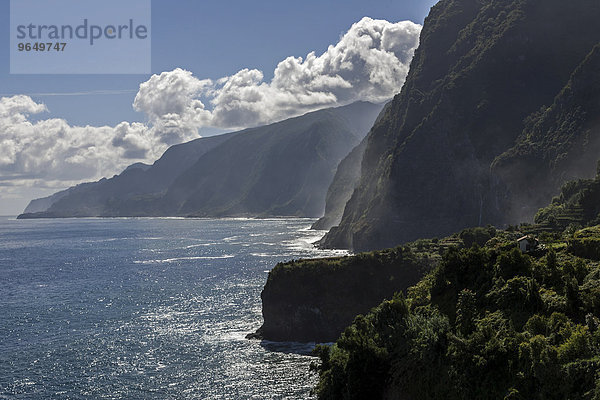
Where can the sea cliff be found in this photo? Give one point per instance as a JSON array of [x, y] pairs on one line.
[[315, 300]]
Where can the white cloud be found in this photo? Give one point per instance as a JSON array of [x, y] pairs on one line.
[[52, 149], [370, 62], [170, 100]]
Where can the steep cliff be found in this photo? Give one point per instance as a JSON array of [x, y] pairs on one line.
[[280, 169], [560, 143], [44, 203], [480, 70], [314, 300], [344, 182]]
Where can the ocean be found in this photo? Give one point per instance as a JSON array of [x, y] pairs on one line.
[[146, 308]]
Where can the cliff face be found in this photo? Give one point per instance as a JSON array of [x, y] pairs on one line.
[[344, 182], [314, 300], [560, 143], [480, 70], [280, 169]]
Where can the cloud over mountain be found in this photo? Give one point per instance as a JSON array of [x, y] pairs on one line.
[[370, 62], [170, 101], [51, 149]]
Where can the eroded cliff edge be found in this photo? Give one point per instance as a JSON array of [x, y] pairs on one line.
[[315, 300]]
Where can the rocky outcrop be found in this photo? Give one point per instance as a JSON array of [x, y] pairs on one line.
[[315, 300]]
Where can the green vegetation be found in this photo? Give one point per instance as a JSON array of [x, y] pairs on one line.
[[315, 300], [577, 205], [488, 323]]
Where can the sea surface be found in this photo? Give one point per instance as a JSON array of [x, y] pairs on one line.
[[145, 309]]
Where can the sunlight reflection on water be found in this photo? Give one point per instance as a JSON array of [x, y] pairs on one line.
[[146, 308]]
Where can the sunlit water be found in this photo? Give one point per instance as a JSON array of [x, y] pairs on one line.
[[145, 308]]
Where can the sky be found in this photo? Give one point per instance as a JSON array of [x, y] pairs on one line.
[[216, 66]]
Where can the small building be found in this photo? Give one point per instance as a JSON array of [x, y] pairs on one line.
[[527, 243]]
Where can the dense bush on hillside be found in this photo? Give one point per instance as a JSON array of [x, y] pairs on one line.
[[578, 204], [488, 323]]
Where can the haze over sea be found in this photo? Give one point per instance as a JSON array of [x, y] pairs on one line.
[[145, 308]]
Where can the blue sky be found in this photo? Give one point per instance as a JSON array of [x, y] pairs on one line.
[[195, 42]]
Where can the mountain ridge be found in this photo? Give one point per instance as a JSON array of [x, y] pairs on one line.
[[227, 175]]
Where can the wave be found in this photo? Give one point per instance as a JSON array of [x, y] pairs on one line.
[[198, 245], [171, 260], [264, 255]]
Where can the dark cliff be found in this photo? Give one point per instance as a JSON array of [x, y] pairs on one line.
[[344, 182], [480, 70], [314, 300], [560, 143]]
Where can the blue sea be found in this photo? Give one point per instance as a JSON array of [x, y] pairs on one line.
[[145, 309]]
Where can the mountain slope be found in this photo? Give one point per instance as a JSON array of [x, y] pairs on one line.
[[344, 182], [480, 70], [279, 169], [276, 170], [122, 194]]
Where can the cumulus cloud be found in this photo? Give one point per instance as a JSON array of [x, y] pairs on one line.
[[170, 100], [370, 62], [53, 150]]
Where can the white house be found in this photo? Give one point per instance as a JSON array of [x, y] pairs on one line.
[[527, 243]]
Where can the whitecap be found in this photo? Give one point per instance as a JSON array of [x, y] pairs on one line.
[[263, 255], [170, 260]]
